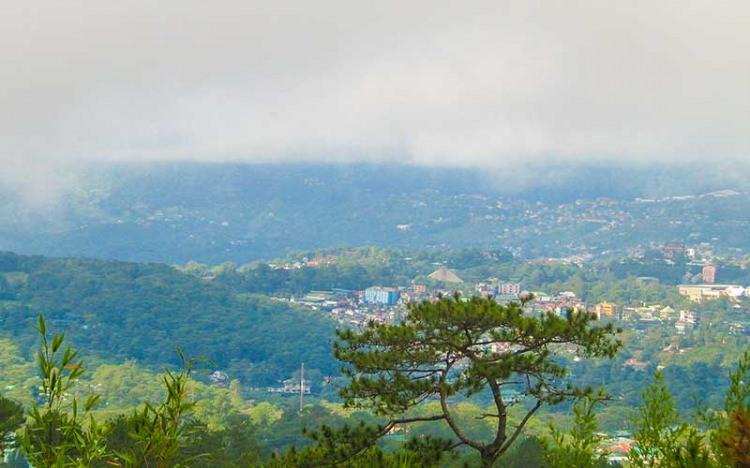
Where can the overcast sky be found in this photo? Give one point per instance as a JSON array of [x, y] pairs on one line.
[[426, 82]]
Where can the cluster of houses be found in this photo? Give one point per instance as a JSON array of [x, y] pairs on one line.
[[387, 304], [647, 316], [642, 317], [305, 262], [377, 303], [699, 252], [701, 286], [501, 291], [292, 387]]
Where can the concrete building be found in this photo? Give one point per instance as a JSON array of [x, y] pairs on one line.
[[509, 289], [686, 322], [701, 292], [709, 273], [486, 289], [606, 309], [384, 296]]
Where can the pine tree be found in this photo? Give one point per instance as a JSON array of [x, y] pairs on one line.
[[458, 347]]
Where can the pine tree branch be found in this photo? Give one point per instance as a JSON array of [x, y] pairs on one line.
[[520, 427]]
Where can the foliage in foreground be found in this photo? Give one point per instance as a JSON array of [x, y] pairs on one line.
[[714, 439], [457, 348], [59, 431], [578, 448], [62, 433], [11, 418]]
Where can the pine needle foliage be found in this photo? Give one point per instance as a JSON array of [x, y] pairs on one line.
[[576, 449], [458, 347]]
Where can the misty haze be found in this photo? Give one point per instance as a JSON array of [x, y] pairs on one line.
[[398, 234]]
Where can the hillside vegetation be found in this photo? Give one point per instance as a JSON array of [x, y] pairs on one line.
[[145, 311], [213, 213]]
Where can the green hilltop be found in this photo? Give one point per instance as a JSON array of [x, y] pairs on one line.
[[144, 312]]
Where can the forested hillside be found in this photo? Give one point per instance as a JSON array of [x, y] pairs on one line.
[[214, 213], [145, 311]]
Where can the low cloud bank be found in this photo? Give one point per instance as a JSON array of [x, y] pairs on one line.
[[506, 86]]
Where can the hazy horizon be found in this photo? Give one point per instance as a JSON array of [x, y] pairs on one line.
[[491, 85]]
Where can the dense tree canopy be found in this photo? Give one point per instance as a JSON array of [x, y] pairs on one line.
[[144, 311]]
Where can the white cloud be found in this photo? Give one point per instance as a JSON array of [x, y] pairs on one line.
[[469, 83]]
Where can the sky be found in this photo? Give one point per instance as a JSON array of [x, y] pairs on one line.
[[495, 84]]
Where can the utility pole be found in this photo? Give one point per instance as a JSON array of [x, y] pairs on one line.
[[301, 386]]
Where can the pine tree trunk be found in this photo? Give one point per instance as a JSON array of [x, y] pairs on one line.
[[488, 459]]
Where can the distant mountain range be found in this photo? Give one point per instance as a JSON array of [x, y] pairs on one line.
[[217, 212]]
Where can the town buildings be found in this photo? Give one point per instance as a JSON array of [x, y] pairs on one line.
[[686, 322], [701, 292], [500, 290], [509, 289], [709, 273], [606, 309], [379, 295]]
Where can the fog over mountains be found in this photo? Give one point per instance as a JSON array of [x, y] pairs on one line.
[[219, 212], [492, 85]]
